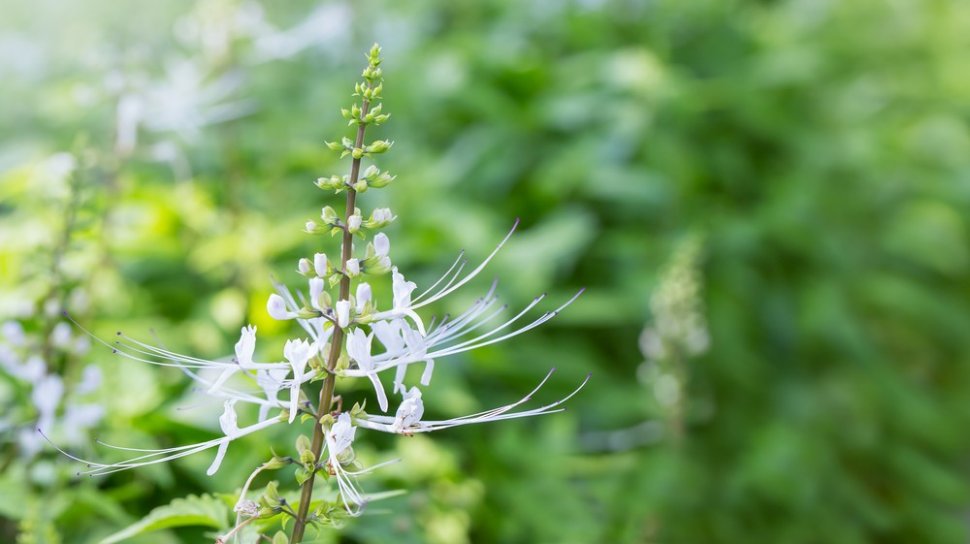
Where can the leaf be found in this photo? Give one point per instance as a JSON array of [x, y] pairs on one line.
[[206, 510]]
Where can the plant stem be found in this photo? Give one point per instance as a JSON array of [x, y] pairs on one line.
[[336, 341]]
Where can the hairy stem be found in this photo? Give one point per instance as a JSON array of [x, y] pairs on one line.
[[336, 341]]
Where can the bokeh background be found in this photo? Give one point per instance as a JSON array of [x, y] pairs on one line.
[[767, 202]]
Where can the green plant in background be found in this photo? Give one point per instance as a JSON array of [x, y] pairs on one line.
[[340, 330], [820, 146]]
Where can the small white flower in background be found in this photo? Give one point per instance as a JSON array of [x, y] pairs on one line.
[[55, 407]]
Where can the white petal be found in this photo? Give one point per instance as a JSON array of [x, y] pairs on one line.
[[363, 296], [316, 289], [220, 455], [246, 346], [343, 313], [320, 264], [382, 245], [276, 307]]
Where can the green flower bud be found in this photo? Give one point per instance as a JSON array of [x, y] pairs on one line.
[[379, 146], [302, 444], [361, 186], [357, 153]]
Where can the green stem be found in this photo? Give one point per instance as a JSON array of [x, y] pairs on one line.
[[336, 341]]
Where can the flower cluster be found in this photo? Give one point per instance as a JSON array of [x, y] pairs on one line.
[[678, 332], [59, 408], [345, 332]]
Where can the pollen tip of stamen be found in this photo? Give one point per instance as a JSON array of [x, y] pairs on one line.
[[114, 351], [118, 333]]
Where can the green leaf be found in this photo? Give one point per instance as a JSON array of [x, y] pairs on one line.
[[206, 510]]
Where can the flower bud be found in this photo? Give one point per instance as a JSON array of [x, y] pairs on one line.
[[382, 244], [303, 267], [378, 146], [320, 264], [357, 153], [276, 307], [353, 223], [361, 186], [343, 313], [329, 215], [353, 268]]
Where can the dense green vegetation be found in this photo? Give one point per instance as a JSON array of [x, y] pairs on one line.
[[818, 151]]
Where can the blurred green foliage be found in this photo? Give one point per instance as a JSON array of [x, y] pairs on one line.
[[822, 148]]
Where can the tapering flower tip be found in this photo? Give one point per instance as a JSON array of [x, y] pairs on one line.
[[353, 268], [342, 434], [228, 423], [343, 313], [382, 244], [363, 296], [402, 290], [246, 346], [316, 289], [320, 264], [303, 266], [410, 411], [276, 307]]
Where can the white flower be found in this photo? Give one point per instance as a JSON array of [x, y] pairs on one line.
[[227, 421], [303, 267], [316, 289], [402, 290], [61, 335], [410, 411], [320, 264], [407, 420], [363, 296], [13, 332], [343, 313], [247, 508], [359, 349], [298, 353], [382, 244], [90, 380], [310, 227], [245, 348], [153, 457], [276, 307], [341, 434], [353, 222], [383, 215], [353, 267], [271, 381]]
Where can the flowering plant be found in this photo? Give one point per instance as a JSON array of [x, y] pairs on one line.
[[340, 319]]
